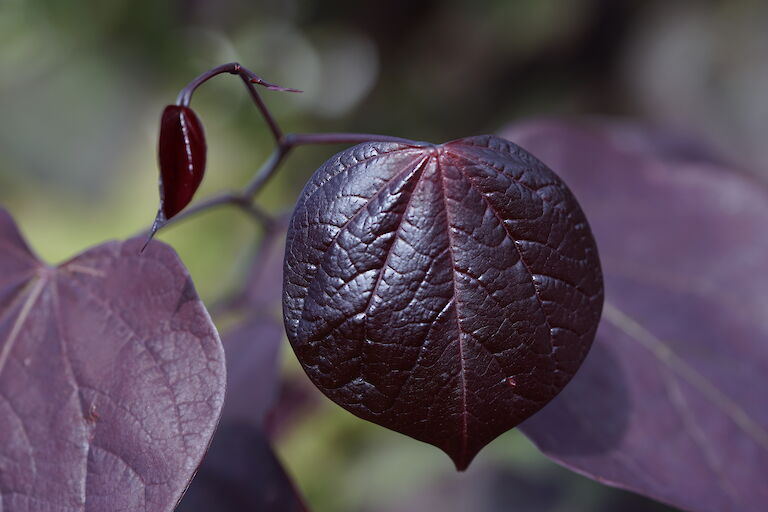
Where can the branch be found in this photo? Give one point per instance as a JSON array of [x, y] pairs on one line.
[[284, 144], [291, 140], [249, 78], [233, 198]]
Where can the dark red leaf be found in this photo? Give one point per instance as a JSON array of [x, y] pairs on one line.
[[111, 378], [446, 292], [181, 152], [671, 403]]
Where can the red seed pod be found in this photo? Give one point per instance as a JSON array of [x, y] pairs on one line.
[[181, 152]]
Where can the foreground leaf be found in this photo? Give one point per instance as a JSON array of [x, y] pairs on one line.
[[671, 402], [446, 292], [111, 378]]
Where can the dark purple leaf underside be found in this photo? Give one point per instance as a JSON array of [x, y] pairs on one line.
[[111, 378], [253, 369], [672, 401], [240, 471], [261, 298], [264, 283], [446, 292], [253, 346], [503, 487], [241, 474], [181, 154]]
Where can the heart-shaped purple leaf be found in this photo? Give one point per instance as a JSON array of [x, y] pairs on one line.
[[446, 292], [111, 378], [671, 402]]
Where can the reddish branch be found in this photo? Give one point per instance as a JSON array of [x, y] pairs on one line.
[[244, 199]]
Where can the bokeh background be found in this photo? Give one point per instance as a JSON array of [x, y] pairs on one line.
[[82, 85]]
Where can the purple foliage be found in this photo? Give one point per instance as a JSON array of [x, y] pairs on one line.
[[446, 292], [111, 378], [671, 402]]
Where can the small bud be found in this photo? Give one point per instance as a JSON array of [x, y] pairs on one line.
[[181, 152]]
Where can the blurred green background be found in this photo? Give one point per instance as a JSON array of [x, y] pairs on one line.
[[83, 84]]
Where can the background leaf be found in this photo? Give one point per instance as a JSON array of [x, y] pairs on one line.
[[240, 471], [264, 283], [671, 403], [493, 487], [111, 378], [253, 369], [446, 292]]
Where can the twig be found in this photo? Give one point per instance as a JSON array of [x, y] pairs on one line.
[[233, 198], [291, 140], [284, 144], [249, 78]]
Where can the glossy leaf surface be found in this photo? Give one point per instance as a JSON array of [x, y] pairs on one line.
[[671, 402], [181, 155], [446, 292], [111, 378]]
